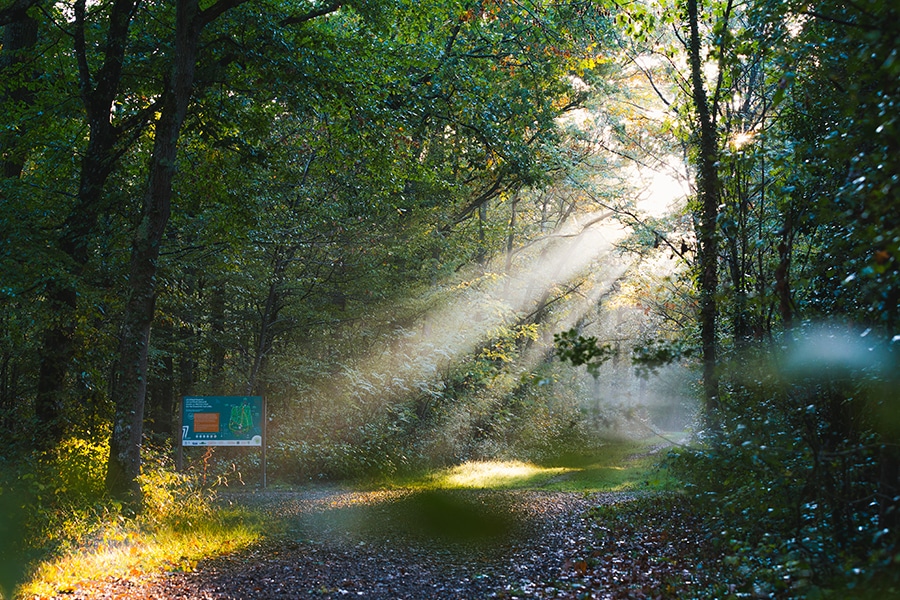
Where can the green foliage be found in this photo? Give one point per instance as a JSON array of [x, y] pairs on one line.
[[571, 346], [13, 553], [56, 512], [844, 98], [324, 167], [799, 474], [658, 353], [49, 502], [171, 499]]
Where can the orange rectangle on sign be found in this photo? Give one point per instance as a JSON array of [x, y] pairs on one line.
[[206, 422]]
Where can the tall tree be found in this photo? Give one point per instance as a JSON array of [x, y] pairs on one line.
[[130, 373], [99, 91], [708, 186]]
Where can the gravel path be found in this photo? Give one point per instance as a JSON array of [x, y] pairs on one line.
[[461, 544]]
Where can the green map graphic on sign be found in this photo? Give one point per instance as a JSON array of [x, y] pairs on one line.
[[241, 419], [221, 421]]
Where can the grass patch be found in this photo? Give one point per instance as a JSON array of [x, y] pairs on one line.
[[126, 551], [616, 465], [619, 465], [60, 533], [497, 475]]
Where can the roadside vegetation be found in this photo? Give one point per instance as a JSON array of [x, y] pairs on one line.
[[616, 465], [63, 533]]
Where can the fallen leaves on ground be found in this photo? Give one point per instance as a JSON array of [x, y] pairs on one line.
[[344, 545]]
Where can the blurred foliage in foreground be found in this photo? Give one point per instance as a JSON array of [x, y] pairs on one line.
[[801, 478]]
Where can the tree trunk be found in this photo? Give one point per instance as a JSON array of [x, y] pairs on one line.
[[482, 240], [19, 37], [161, 400], [783, 272], [9, 391], [130, 374], [708, 191], [511, 235], [217, 338], [98, 94], [274, 303]]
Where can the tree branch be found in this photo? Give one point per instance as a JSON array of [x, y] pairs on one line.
[[216, 10], [717, 94], [323, 10], [836, 21], [84, 72]]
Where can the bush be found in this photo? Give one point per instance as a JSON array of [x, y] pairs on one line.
[[170, 498], [796, 474]]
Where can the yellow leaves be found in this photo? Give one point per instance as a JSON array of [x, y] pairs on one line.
[[561, 102], [588, 63]]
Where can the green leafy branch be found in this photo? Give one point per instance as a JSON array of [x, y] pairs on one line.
[[579, 350]]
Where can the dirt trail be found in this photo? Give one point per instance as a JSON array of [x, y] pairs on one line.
[[460, 544]]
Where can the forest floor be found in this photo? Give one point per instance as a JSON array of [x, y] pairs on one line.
[[405, 543]]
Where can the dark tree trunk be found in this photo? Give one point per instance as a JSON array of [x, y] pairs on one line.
[[783, 272], [19, 37], [708, 190], [9, 391], [269, 317], [161, 399], [98, 94], [217, 335], [130, 375], [129, 390], [482, 240]]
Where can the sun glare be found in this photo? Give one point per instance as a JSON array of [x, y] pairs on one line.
[[741, 139], [660, 189], [480, 474]]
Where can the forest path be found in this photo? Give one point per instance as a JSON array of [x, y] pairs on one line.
[[392, 544], [414, 543]]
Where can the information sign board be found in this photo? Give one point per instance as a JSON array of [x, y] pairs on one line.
[[221, 421]]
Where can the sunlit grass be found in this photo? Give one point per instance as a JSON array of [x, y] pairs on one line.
[[131, 554], [494, 475], [616, 465]]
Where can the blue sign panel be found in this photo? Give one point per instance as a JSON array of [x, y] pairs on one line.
[[221, 421]]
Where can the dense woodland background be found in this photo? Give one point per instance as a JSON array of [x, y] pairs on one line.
[[379, 215]]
